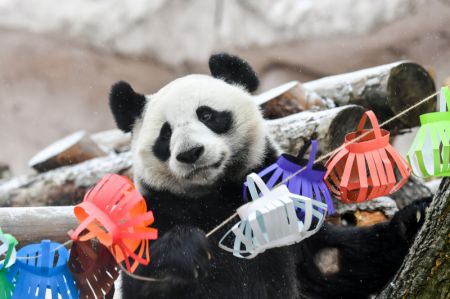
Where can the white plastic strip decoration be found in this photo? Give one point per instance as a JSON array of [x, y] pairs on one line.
[[270, 220], [429, 154]]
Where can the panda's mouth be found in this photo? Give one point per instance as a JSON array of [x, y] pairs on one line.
[[201, 169]]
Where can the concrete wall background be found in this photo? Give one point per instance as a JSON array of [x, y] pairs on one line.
[[58, 59]]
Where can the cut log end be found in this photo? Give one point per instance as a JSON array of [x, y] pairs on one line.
[[387, 90], [409, 83], [73, 149], [345, 121]]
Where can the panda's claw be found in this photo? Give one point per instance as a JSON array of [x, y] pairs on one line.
[[408, 220]]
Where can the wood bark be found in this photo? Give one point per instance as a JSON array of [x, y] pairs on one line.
[[290, 98], [61, 186], [70, 150], [113, 141], [33, 224], [328, 127], [425, 272], [386, 89]]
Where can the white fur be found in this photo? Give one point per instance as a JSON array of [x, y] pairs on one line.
[[177, 103]]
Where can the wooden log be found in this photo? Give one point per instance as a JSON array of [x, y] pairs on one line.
[[61, 186], [425, 272], [386, 89], [33, 224], [67, 185], [363, 214], [412, 190], [73, 149], [113, 141], [290, 98], [328, 127]]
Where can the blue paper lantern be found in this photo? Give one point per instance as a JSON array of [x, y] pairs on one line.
[[41, 269]]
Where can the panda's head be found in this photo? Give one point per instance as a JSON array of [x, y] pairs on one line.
[[196, 131]]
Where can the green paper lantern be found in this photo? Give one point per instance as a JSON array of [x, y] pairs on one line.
[[429, 154], [8, 250]]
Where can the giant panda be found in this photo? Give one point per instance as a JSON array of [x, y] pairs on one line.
[[193, 143]]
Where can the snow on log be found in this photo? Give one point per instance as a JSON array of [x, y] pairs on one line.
[[386, 89], [72, 149]]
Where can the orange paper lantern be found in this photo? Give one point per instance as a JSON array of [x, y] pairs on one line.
[[367, 168], [116, 214]]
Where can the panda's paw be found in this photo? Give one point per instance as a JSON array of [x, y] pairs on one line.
[[183, 254], [408, 220]]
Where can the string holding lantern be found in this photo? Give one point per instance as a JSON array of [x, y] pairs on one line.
[[367, 168], [429, 154], [42, 268], [116, 214], [271, 221], [7, 249], [93, 268], [307, 181]]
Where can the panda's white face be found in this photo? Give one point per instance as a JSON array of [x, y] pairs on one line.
[[193, 131]]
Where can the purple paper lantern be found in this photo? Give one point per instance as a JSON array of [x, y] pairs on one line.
[[309, 182]]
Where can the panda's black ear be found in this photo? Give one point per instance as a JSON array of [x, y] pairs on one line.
[[126, 105], [233, 70]]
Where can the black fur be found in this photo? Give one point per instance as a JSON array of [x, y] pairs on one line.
[[161, 148], [218, 122], [126, 105], [233, 70], [368, 257]]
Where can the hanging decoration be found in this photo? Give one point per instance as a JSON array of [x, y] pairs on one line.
[[116, 214], [367, 168], [270, 220], [307, 177], [41, 269], [94, 269], [429, 154], [8, 251], [115, 223]]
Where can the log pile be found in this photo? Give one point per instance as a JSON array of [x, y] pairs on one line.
[[324, 109]]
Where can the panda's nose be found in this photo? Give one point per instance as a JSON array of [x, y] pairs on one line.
[[192, 155]]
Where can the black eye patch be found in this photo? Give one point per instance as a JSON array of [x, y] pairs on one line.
[[161, 148], [217, 121]]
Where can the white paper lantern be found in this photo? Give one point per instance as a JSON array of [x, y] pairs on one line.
[[270, 220]]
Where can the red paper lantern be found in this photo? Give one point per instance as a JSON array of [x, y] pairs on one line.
[[367, 168], [116, 214]]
